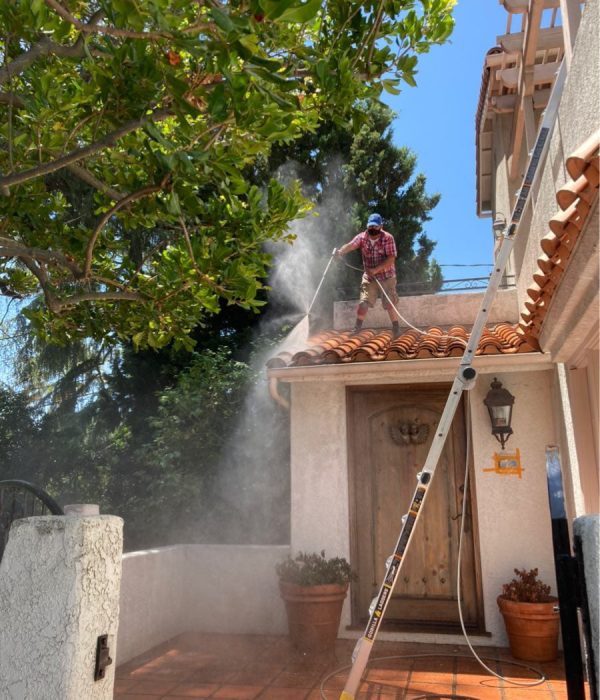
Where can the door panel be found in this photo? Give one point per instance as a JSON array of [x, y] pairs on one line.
[[390, 432]]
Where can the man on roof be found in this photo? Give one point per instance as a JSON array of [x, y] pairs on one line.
[[378, 249]]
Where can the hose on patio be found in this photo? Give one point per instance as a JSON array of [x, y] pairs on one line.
[[430, 696]]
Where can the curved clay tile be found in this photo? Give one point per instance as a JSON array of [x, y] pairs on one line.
[[424, 354], [490, 347], [575, 189], [549, 244], [534, 291], [332, 357], [363, 355], [280, 360], [569, 216], [545, 264], [592, 175], [526, 316], [540, 279], [305, 357], [459, 332], [587, 152]]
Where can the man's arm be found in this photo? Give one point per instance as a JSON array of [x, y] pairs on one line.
[[390, 261], [347, 247]]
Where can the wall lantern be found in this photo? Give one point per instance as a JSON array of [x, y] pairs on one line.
[[499, 224], [499, 403]]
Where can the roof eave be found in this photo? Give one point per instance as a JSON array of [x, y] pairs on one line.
[[409, 371]]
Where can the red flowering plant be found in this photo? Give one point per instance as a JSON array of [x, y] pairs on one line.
[[527, 588]]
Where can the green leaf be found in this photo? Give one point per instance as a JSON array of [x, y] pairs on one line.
[[173, 205], [222, 20], [301, 13]]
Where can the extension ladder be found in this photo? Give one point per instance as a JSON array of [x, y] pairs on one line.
[[464, 380]]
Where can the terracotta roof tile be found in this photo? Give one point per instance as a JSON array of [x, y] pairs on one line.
[[576, 200], [334, 347]]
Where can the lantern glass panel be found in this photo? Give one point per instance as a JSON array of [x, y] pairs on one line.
[[501, 416]]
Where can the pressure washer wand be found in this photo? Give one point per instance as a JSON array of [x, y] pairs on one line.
[[312, 303]]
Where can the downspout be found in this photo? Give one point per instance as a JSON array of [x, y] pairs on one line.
[[275, 395]]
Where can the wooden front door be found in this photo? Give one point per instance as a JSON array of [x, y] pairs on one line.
[[390, 431]]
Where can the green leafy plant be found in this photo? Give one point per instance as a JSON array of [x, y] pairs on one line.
[[527, 588], [315, 570]]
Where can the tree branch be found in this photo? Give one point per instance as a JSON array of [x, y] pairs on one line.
[[116, 31], [39, 272], [92, 180], [10, 98], [203, 276], [97, 296], [78, 154], [9, 248], [89, 251], [44, 47]]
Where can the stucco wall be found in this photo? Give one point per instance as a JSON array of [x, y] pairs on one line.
[[210, 588], [513, 513], [319, 508], [514, 522], [432, 309], [577, 120], [59, 591]]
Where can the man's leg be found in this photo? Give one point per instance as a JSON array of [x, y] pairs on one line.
[[389, 286], [368, 295]]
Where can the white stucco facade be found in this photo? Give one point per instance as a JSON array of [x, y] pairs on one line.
[[512, 513], [59, 591]]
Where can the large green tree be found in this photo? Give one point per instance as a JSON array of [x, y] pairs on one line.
[[155, 109], [349, 174]]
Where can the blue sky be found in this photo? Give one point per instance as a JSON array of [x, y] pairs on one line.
[[437, 121]]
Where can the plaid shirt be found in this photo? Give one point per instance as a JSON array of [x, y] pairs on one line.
[[375, 252]]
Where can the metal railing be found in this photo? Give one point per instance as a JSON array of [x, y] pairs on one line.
[[20, 499], [409, 289]]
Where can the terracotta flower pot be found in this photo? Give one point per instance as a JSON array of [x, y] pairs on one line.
[[313, 614], [532, 629]]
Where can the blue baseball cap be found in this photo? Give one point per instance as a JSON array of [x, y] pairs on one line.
[[375, 220]]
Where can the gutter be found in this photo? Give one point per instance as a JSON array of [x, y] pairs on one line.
[[275, 395]]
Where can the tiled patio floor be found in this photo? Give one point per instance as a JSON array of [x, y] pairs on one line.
[[267, 668]]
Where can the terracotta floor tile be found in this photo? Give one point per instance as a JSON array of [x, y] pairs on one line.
[[228, 667], [386, 675], [238, 692], [121, 685], [283, 694], [213, 674], [289, 679], [256, 674], [194, 690], [152, 688], [537, 693], [479, 691], [421, 689]]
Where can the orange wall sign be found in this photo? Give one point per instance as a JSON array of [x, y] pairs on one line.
[[507, 464]]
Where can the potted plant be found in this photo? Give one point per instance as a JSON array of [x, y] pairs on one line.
[[531, 617], [313, 589]]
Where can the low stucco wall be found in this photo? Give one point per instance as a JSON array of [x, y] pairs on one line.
[[205, 588], [59, 591], [432, 309]]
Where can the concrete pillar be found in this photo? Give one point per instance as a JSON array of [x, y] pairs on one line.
[[59, 591]]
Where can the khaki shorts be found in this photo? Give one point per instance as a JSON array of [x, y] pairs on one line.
[[370, 290]]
